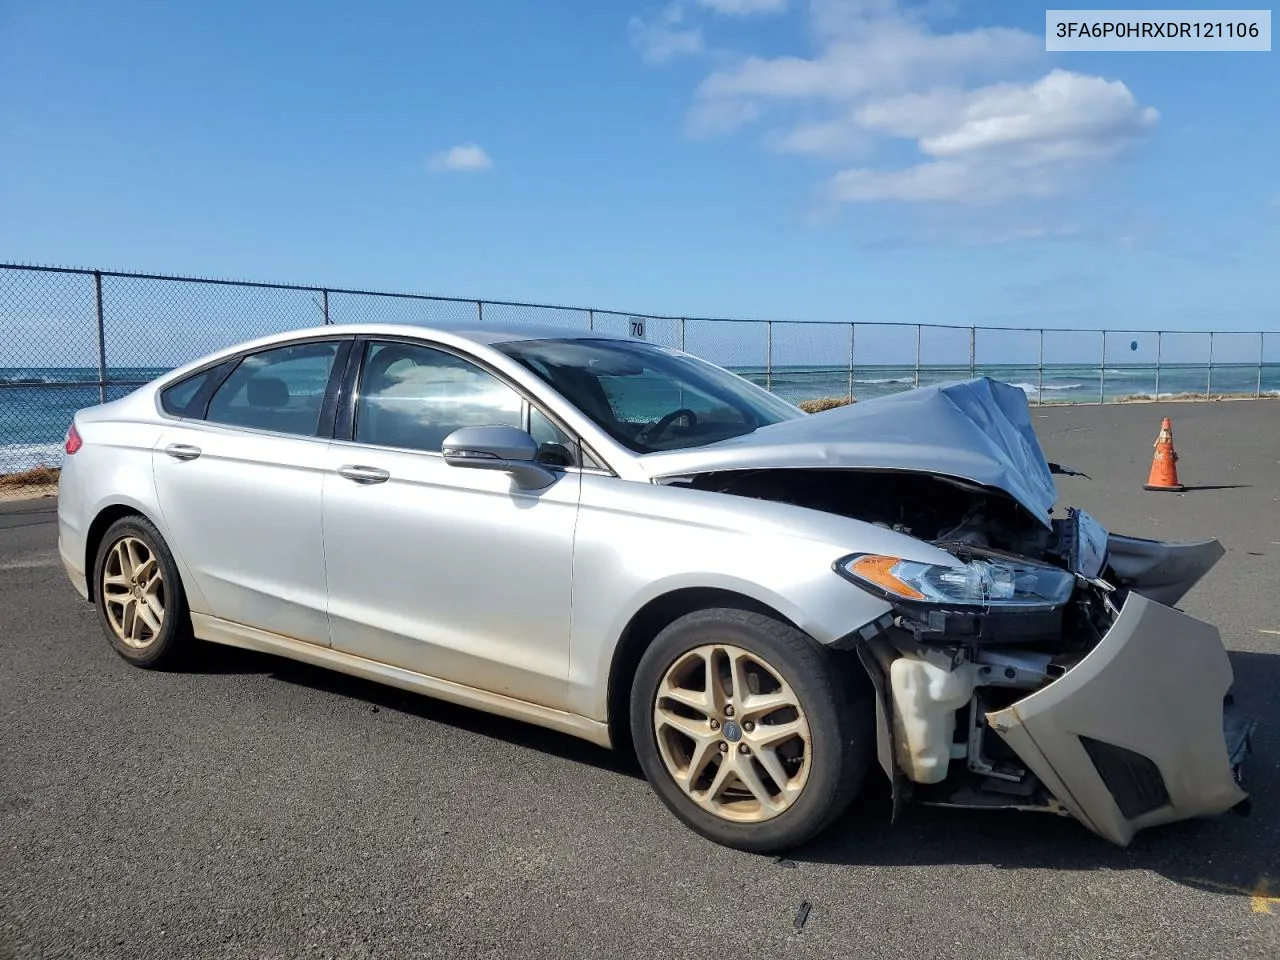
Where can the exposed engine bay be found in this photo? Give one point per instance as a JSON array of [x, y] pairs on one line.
[[953, 678], [924, 506]]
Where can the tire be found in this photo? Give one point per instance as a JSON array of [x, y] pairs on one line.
[[137, 590], [674, 744]]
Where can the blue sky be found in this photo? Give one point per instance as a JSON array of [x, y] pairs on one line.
[[818, 159]]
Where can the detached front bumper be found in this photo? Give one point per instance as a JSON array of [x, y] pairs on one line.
[[1136, 734]]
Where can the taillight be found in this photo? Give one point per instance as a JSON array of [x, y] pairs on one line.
[[73, 442]]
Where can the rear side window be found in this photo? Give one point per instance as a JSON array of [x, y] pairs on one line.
[[187, 397], [281, 390]]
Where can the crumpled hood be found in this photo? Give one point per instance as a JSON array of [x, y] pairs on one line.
[[976, 430]]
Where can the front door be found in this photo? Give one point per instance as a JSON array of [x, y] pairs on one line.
[[450, 572]]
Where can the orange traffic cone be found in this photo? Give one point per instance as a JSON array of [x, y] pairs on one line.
[[1164, 465]]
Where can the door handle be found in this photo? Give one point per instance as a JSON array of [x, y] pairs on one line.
[[363, 474], [182, 451]]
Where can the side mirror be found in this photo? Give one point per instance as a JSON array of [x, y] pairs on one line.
[[508, 449]]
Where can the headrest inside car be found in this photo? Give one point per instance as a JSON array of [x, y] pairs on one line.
[[268, 392]]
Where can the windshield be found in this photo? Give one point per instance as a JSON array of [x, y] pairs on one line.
[[647, 397]]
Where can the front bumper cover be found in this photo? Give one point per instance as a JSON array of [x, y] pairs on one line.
[[1136, 734]]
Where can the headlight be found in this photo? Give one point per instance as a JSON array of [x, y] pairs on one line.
[[985, 583]]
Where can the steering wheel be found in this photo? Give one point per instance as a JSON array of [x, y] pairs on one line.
[[657, 429]]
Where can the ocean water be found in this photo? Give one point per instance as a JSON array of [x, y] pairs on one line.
[[37, 403], [1055, 383]]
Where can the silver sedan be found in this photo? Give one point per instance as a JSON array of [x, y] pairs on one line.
[[628, 544]]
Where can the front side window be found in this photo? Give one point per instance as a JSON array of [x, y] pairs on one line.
[[649, 398], [412, 396], [281, 390], [555, 447]]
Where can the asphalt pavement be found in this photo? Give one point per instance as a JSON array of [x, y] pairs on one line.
[[256, 808]]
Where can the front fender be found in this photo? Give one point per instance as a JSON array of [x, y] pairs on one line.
[[636, 542]]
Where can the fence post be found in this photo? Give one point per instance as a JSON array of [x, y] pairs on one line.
[[1102, 371], [1262, 356], [591, 319], [1208, 386], [1040, 371], [480, 311], [853, 339], [102, 338], [973, 351], [1159, 351], [917, 374], [326, 307], [682, 334], [768, 355]]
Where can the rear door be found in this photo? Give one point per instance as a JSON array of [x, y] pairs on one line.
[[239, 484]]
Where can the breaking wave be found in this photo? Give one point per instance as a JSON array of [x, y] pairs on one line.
[[24, 456], [1036, 388]]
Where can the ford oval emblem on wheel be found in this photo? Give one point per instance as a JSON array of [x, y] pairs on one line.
[[732, 732]]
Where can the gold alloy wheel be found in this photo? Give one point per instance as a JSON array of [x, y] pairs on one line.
[[732, 733], [133, 592]]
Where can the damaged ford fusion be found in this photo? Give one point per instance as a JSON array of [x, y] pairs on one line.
[[631, 545]]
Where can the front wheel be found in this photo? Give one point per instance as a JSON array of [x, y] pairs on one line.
[[140, 599], [750, 732]]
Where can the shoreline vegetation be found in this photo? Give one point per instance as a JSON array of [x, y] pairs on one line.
[[42, 481], [1165, 397], [38, 481], [818, 404]]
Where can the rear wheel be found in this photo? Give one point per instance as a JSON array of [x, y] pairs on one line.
[[140, 600], [750, 732]]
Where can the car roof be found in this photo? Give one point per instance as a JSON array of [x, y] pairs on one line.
[[482, 332]]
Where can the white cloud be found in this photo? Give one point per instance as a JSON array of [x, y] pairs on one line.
[[716, 117], [833, 19], [887, 55], [938, 181], [986, 123], [1061, 116], [465, 157], [997, 142], [744, 8], [664, 37], [834, 139]]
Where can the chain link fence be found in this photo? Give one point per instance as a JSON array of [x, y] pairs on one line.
[[73, 338]]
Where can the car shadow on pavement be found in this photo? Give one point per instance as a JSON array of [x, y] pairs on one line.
[[1228, 854], [215, 659]]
